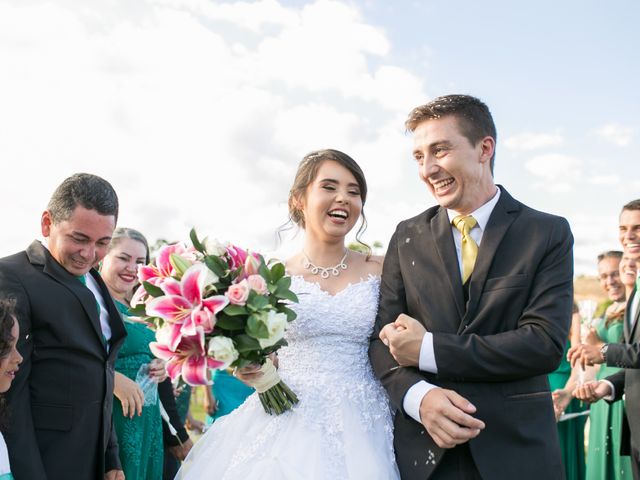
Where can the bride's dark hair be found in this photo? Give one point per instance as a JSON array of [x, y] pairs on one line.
[[306, 174]]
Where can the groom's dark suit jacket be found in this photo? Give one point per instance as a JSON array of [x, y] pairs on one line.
[[61, 399], [497, 349], [627, 381]]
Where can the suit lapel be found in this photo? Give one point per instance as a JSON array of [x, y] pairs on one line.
[[443, 239], [118, 331], [39, 255], [499, 222]]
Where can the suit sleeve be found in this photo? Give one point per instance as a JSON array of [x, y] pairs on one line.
[[617, 380], [112, 453], [24, 454], [165, 391], [536, 345], [395, 379], [624, 355]]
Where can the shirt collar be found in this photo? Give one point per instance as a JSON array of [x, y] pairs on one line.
[[482, 214]]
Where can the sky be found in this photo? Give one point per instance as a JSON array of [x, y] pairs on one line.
[[198, 111]]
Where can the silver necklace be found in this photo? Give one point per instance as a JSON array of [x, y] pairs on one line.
[[324, 272]]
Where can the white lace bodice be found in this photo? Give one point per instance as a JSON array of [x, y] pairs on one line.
[[326, 364]]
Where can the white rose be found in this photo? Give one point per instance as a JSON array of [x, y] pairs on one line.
[[213, 247], [222, 349], [276, 324]]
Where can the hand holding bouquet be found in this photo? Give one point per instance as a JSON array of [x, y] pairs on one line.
[[217, 306]]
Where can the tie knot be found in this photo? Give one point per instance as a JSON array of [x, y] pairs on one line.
[[464, 223]]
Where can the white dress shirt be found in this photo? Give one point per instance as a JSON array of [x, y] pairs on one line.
[[104, 313], [427, 362]]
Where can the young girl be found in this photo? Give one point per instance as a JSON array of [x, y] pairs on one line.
[[341, 428], [9, 361]]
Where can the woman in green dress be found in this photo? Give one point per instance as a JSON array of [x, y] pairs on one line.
[[137, 421], [604, 461], [225, 395], [571, 431]]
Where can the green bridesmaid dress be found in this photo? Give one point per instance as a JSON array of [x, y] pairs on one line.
[[571, 431], [229, 392], [140, 437], [603, 457]]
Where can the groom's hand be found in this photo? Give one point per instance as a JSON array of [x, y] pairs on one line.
[[447, 417], [404, 339]]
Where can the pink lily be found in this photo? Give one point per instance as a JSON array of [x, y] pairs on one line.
[[250, 262], [189, 359], [184, 308], [154, 273], [237, 256]]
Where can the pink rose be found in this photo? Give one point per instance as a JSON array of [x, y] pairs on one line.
[[257, 283], [238, 293]]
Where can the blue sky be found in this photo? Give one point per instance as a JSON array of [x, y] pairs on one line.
[[198, 111]]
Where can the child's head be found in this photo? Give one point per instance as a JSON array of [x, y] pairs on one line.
[[10, 358]]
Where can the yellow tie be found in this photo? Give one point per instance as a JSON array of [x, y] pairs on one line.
[[469, 247]]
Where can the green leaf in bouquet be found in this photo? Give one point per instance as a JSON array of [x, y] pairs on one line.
[[277, 272], [272, 287], [257, 302], [276, 346], [256, 326], [284, 283], [216, 265], [264, 272], [287, 295], [152, 289], [233, 310], [228, 322], [291, 315], [179, 263], [196, 242], [245, 343], [138, 310]]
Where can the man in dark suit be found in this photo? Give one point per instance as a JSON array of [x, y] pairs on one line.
[[475, 306], [624, 355], [70, 333]]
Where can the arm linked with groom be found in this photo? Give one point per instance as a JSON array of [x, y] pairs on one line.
[[475, 307]]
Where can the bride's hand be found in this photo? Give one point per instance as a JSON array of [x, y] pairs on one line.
[[248, 374]]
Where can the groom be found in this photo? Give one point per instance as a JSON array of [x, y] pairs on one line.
[[475, 307]]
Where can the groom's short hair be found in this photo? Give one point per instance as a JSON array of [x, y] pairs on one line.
[[474, 118], [84, 189], [632, 205]]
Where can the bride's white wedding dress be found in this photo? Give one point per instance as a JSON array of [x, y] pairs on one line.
[[340, 429]]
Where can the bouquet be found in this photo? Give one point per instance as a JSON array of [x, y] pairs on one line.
[[217, 306]]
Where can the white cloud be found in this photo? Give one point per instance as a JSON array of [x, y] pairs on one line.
[[605, 180], [616, 134], [196, 111], [558, 173], [533, 141]]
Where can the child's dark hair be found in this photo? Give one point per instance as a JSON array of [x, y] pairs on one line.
[[7, 319]]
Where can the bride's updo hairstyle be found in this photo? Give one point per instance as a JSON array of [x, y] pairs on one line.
[[306, 174]]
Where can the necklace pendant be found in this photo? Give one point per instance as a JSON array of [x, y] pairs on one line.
[[324, 272]]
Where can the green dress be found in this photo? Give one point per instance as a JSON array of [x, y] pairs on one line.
[[571, 431], [603, 457], [229, 392], [140, 437]]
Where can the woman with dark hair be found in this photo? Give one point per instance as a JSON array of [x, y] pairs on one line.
[[341, 428], [10, 358]]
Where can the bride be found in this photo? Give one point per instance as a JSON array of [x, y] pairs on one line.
[[341, 428]]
